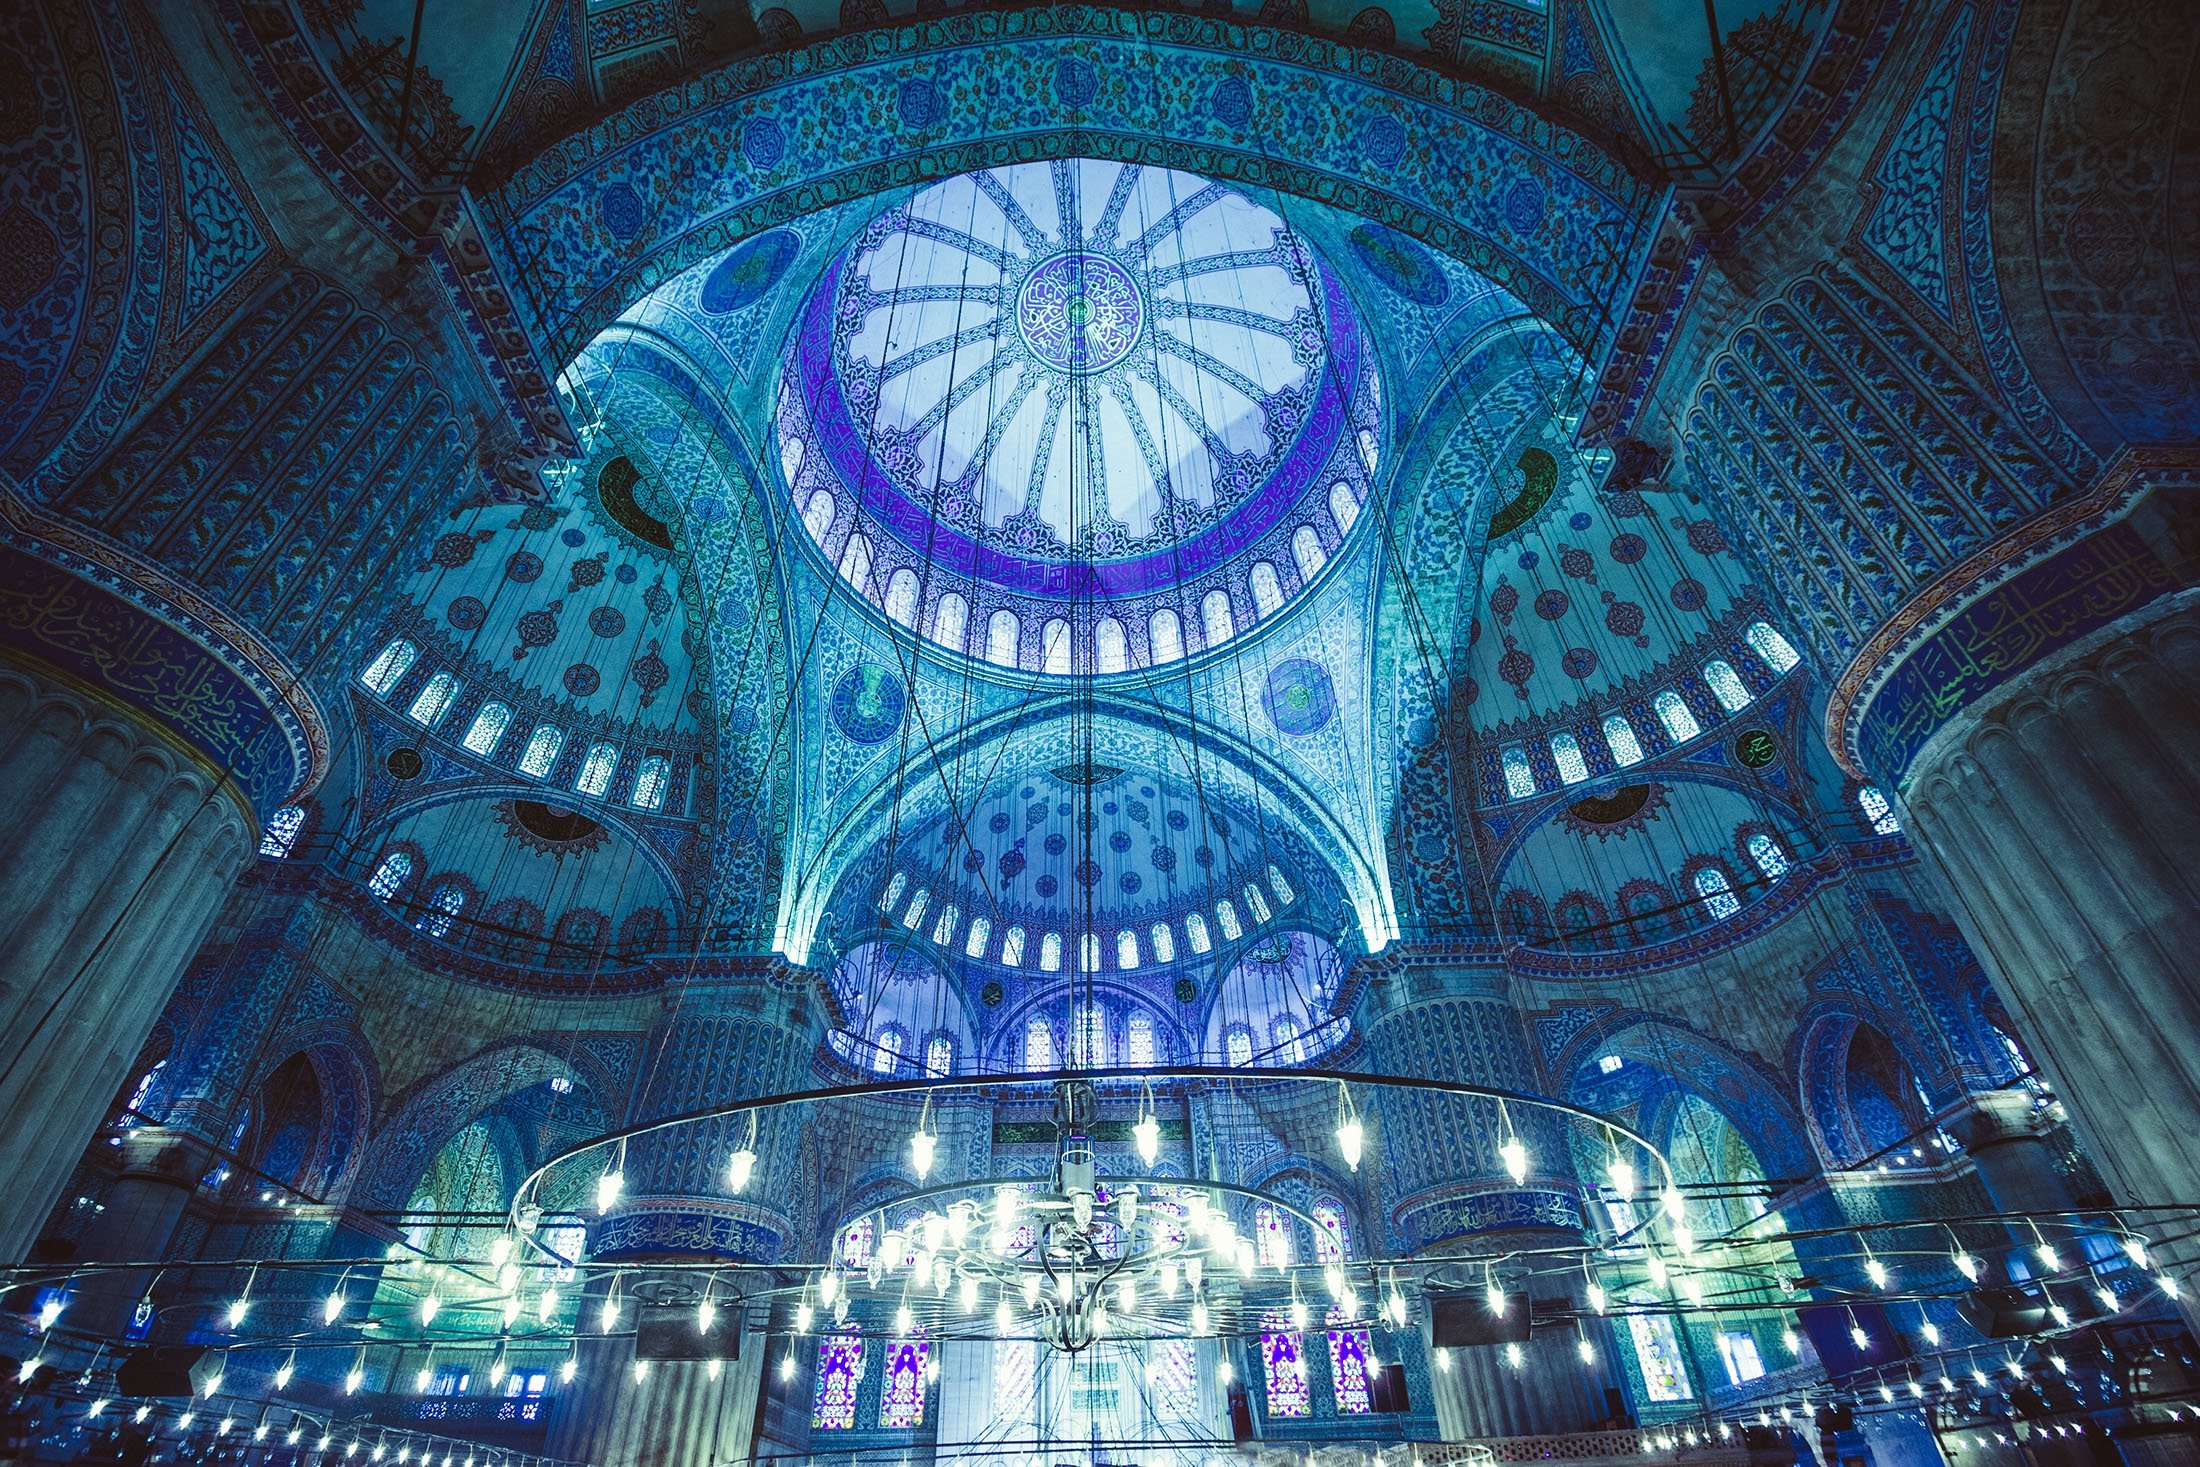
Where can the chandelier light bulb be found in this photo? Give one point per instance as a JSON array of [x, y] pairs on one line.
[[1793, 1343], [1684, 1239], [422, 1379], [1622, 1174], [1876, 1271], [500, 1249], [1596, 1297], [1004, 1317], [1301, 1316], [1199, 1316], [354, 1378], [428, 1308], [2168, 1285], [50, 1311], [1247, 1258], [567, 1369], [1656, 1265], [1515, 1157], [787, 1366], [921, 1147], [966, 1294], [1031, 1284], [284, 1371], [740, 1167], [2108, 1298], [1126, 1295], [935, 1232], [608, 1318], [706, 1315], [511, 1310], [1857, 1337], [608, 1188], [1349, 1303], [1496, 1297], [1676, 1206], [100, 1405], [214, 1381], [238, 1308], [958, 1224], [1351, 1142], [1148, 1135], [1692, 1289], [547, 1308], [1585, 1350], [1930, 1331], [1966, 1265], [1195, 1268], [2135, 1249], [803, 1315], [2049, 1258], [828, 1288], [1917, 1390], [641, 1371], [1168, 1278], [497, 1370]]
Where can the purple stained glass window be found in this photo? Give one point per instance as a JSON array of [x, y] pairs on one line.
[[1283, 1362], [901, 1404], [1331, 1239], [1348, 1369], [839, 1377]]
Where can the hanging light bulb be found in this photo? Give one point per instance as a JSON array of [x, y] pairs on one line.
[[1596, 1297], [608, 1318], [497, 1369], [1351, 1141], [100, 1404], [1656, 1265], [787, 1366], [2135, 1249], [712, 1367], [1585, 1350], [828, 1287], [567, 1369], [357, 1375], [1858, 1337], [1168, 1278], [1031, 1284], [802, 1317], [1876, 1271], [1195, 1268], [2108, 1299], [1494, 1293], [966, 1293], [511, 1310], [608, 1188], [1676, 1206], [546, 1308], [1301, 1316], [1622, 1175], [641, 1371], [1965, 1265], [1126, 1295], [1247, 1257], [1692, 1289], [1147, 1133], [1684, 1239], [706, 1313], [284, 1371], [500, 1249], [429, 1305], [214, 1381], [935, 1232], [2049, 1258], [923, 1144], [958, 1224], [739, 1168], [1515, 1157], [2168, 1285], [239, 1307], [1794, 1344], [48, 1312], [1930, 1331], [1199, 1316]]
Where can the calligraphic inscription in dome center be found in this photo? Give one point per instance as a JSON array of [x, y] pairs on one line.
[[1079, 312]]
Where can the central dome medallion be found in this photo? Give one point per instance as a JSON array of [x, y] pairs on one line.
[[1048, 414]]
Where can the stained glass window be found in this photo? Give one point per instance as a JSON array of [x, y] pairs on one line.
[[839, 1378], [1343, 507], [1215, 621], [1765, 640], [487, 729], [951, 621], [1283, 1366], [858, 1240], [1038, 1043], [1226, 915], [1088, 953], [1012, 948], [1307, 552], [1348, 1350], [1195, 932], [817, 515], [1256, 901], [943, 931], [1566, 754], [390, 875], [1332, 1237], [1619, 737], [1726, 684], [390, 664], [1111, 646], [434, 699], [1092, 1036], [855, 563], [895, 884], [541, 753], [1878, 811], [1126, 949], [1000, 639], [1272, 1235], [1050, 953], [939, 1055], [1672, 711], [1267, 589], [1289, 1048], [1658, 1352], [1166, 633], [901, 596], [1519, 778], [1016, 1382], [649, 784], [1164, 943], [1285, 892], [1054, 646], [901, 1403], [596, 770], [447, 901], [914, 912], [981, 933], [1138, 1038], [282, 831], [1718, 895], [1237, 1045], [1176, 1380], [1770, 859]]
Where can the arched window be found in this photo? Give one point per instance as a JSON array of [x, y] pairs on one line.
[[1166, 633], [943, 931], [649, 785], [1285, 893], [1054, 646], [1770, 859], [839, 1379], [817, 515], [1343, 507], [141, 1094], [1878, 812], [1267, 589], [886, 1054], [1237, 1046], [1348, 1367], [895, 885], [1012, 948], [1088, 953], [1519, 778], [1138, 1039], [1215, 622], [1050, 953], [1283, 1368], [1164, 943], [541, 754], [434, 700], [282, 831], [487, 730], [901, 596], [1566, 754], [1111, 647], [1679, 723], [596, 770], [1307, 553], [1619, 737], [389, 665], [901, 1399], [445, 903], [1332, 1239], [1256, 902], [1000, 639], [858, 1242], [1271, 1236], [1195, 932], [951, 620], [1126, 949], [981, 933], [1726, 685], [390, 875], [1290, 1048], [1038, 1043], [914, 913], [1369, 456], [1226, 915], [1765, 640], [1091, 1037], [855, 563], [1718, 896], [939, 1055]]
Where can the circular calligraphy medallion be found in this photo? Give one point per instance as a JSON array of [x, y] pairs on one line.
[[1079, 312]]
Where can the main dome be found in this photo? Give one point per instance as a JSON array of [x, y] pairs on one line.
[[1079, 416]]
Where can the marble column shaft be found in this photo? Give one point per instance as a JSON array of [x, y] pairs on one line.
[[118, 855]]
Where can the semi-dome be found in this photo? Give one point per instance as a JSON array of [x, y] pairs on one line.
[[1079, 416]]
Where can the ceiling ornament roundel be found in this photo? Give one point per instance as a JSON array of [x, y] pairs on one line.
[[1078, 391]]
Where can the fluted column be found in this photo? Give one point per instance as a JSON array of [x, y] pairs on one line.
[[120, 846], [2064, 817]]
